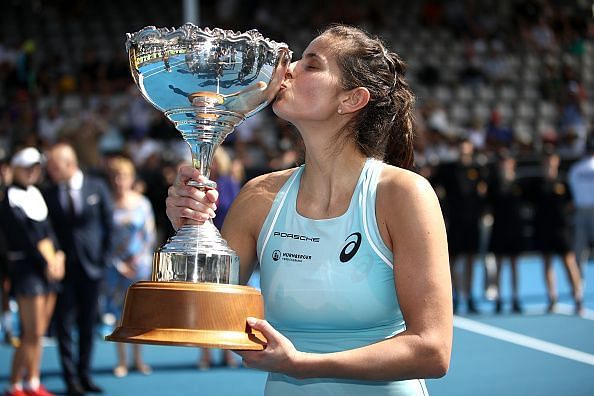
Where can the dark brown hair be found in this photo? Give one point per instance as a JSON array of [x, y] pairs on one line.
[[384, 128]]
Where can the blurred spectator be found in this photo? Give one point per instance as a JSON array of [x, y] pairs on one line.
[[81, 210], [22, 120], [542, 36], [472, 72], [6, 137], [90, 70], [550, 84], [496, 66], [6, 174], [238, 171], [290, 145], [157, 176], [437, 118], [141, 150], [499, 136], [25, 66], [440, 148], [110, 137], [50, 125], [252, 146], [35, 266], [477, 134], [572, 122], [581, 182], [134, 235], [140, 114], [552, 228], [575, 43], [506, 197], [6, 322], [465, 190], [221, 173]]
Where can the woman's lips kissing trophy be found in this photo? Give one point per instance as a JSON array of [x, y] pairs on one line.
[[206, 81]]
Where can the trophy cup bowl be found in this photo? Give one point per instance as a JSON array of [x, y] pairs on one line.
[[206, 81]]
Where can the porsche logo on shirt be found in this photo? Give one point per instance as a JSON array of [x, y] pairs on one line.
[[296, 237]]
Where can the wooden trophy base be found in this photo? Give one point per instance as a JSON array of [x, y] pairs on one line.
[[207, 315]]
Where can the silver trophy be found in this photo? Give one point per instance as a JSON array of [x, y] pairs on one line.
[[206, 81]]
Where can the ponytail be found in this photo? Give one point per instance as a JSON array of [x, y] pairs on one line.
[[399, 148]]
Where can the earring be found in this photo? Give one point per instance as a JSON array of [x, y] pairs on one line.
[[339, 110]]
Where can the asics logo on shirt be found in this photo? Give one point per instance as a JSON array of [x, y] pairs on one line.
[[351, 248]]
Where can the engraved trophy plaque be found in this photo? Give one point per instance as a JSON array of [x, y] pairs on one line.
[[206, 81]]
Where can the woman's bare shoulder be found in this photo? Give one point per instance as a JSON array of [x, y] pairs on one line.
[[400, 189], [402, 179], [404, 200]]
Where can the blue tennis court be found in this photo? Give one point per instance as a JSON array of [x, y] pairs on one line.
[[509, 354]]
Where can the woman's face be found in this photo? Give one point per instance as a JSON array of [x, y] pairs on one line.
[[310, 91], [27, 176], [122, 181]]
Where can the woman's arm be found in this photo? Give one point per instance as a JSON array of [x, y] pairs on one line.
[[411, 223]]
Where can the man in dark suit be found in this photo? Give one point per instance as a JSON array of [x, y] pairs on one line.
[[81, 211]]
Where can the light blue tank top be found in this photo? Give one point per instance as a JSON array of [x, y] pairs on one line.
[[328, 285]]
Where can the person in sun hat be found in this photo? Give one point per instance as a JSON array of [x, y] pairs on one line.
[[35, 266]]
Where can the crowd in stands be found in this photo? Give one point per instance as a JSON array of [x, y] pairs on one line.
[[513, 76]]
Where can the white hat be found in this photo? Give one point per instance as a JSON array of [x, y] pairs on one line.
[[26, 157]]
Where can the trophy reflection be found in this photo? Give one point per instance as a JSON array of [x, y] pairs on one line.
[[206, 81]]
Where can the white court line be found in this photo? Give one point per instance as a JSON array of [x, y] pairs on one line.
[[522, 340]]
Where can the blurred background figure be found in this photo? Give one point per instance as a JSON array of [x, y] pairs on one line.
[[498, 135], [581, 182], [35, 266], [221, 172], [134, 241], [505, 195], [552, 227], [81, 210], [6, 314], [573, 122], [224, 174], [465, 193]]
